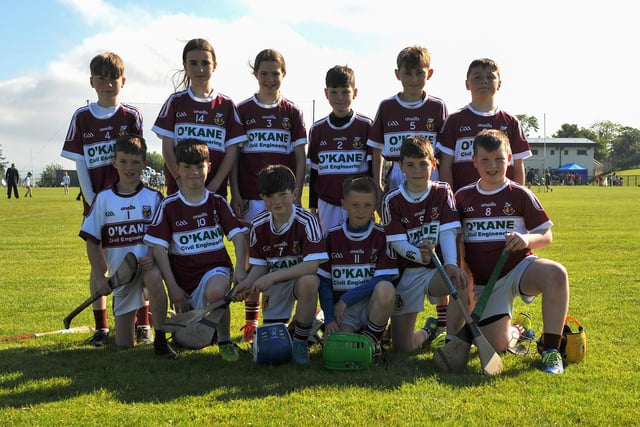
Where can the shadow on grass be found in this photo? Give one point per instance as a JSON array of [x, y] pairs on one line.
[[55, 372]]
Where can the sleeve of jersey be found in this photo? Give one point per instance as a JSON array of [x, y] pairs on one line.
[[235, 130], [299, 134], [376, 137], [314, 249], [256, 253], [159, 231], [325, 294], [446, 138], [230, 223], [90, 228], [535, 218], [165, 122], [72, 149]]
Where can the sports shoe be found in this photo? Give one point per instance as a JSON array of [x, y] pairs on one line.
[[439, 341], [162, 348], [228, 352], [248, 331], [430, 327], [99, 339], [552, 362], [144, 335], [300, 352], [379, 355]]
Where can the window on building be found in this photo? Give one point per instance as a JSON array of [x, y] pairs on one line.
[[581, 152], [553, 152], [534, 152]]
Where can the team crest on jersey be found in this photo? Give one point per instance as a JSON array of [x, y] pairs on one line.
[[508, 209], [123, 130], [146, 211], [357, 142], [219, 119], [375, 254], [297, 248], [504, 129], [435, 213], [286, 123], [216, 217], [430, 124], [265, 302]]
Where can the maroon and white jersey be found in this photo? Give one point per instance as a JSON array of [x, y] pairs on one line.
[[194, 235], [461, 127], [299, 240], [406, 218], [488, 216], [355, 258], [272, 133], [397, 119], [213, 120], [118, 222], [337, 153], [92, 140]]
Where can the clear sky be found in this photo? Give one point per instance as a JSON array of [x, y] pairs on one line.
[[562, 61]]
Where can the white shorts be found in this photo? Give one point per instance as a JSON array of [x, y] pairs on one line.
[[128, 298], [505, 291], [278, 300], [330, 215], [357, 315], [199, 295], [411, 290]]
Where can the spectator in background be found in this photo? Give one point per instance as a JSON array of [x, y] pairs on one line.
[[12, 177], [28, 183], [66, 181]]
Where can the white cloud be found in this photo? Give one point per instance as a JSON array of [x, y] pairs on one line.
[[558, 60]]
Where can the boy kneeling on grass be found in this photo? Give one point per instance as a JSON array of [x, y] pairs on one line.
[[286, 248], [510, 216], [116, 223], [187, 240]]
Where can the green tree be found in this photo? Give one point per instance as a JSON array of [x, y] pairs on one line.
[[49, 174], [625, 149], [529, 123], [155, 161], [568, 131]]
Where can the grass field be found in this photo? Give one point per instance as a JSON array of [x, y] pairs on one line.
[[55, 380]]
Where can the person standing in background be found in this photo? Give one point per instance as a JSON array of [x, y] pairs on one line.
[[12, 177]]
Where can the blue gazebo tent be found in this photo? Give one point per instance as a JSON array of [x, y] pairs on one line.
[[575, 169]]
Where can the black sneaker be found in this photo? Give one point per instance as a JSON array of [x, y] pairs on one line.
[[143, 335], [162, 348], [99, 338]]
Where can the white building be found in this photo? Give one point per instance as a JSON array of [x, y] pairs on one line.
[[556, 152]]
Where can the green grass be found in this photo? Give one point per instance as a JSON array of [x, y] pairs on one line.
[[55, 380]]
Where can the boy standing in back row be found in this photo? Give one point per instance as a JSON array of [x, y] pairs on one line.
[[337, 148], [456, 139]]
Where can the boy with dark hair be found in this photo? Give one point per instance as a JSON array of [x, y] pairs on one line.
[[456, 139], [115, 226], [356, 292], [337, 148], [418, 215], [519, 223], [286, 248], [187, 240]]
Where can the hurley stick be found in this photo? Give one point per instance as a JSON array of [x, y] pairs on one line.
[[449, 361]]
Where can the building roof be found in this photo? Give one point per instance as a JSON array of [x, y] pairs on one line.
[[561, 141]]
